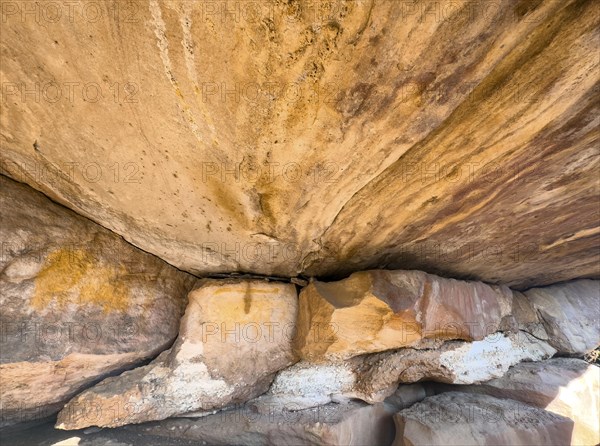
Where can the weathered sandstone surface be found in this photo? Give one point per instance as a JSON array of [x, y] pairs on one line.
[[570, 314], [77, 302], [380, 310], [462, 419], [232, 339], [351, 423], [238, 322], [319, 138], [254, 423], [372, 378], [566, 386], [296, 142]]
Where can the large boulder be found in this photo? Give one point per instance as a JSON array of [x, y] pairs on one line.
[[372, 378], [324, 146], [232, 339], [77, 303], [463, 419], [570, 315], [566, 386], [378, 310]]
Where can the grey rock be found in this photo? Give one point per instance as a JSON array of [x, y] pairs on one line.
[[570, 315], [565, 386], [463, 419]]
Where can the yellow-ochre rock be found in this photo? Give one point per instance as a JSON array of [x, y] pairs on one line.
[[323, 138]]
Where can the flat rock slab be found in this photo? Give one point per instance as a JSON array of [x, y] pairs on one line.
[[233, 337], [566, 386], [77, 303], [463, 419], [455, 362], [351, 424], [46, 435]]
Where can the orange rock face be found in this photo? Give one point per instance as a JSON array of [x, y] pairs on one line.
[[380, 310]]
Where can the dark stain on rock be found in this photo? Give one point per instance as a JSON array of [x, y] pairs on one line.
[[398, 298], [432, 200], [524, 7], [565, 181], [374, 40], [353, 103], [265, 207], [364, 24], [247, 300]]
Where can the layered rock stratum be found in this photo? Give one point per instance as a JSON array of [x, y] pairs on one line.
[[566, 386], [236, 344]]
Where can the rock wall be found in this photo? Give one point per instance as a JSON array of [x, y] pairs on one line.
[[224, 356], [81, 305], [560, 385], [456, 418], [229, 348], [316, 138], [334, 152]]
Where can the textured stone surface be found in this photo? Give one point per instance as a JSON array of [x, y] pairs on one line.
[[462, 419], [457, 362], [379, 310], [76, 301], [570, 314], [454, 362], [352, 424], [232, 339], [458, 140], [47, 435], [372, 378], [526, 318], [408, 394], [568, 387], [306, 385]]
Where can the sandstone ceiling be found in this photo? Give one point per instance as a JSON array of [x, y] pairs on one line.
[[316, 138]]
